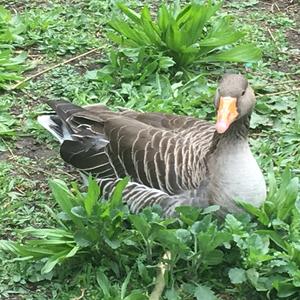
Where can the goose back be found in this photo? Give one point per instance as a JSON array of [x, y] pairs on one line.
[[161, 151]]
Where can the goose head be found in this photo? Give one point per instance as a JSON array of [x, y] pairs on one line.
[[234, 99]]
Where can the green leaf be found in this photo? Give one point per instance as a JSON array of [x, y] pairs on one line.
[[211, 209], [274, 236], [140, 224], [203, 292], [125, 284], [287, 203], [129, 13], [116, 198], [92, 195], [62, 195], [169, 240], [114, 244], [57, 258], [255, 211], [242, 53], [237, 275], [103, 282], [136, 296], [214, 257], [150, 29], [172, 294], [284, 289], [183, 235], [164, 18], [221, 34], [188, 214], [79, 212], [9, 247], [166, 62]]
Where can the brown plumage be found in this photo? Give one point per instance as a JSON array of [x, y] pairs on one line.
[[166, 156]]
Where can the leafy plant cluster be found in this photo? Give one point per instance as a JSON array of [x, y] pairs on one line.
[[188, 35], [264, 255], [11, 66]]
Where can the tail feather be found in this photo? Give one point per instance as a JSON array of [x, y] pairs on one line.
[[55, 126]]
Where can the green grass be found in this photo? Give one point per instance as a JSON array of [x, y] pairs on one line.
[[56, 31]]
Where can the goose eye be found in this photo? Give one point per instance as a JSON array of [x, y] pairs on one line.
[[243, 92]]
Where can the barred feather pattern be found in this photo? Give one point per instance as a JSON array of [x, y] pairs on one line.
[[138, 196], [163, 154], [171, 159], [169, 162]]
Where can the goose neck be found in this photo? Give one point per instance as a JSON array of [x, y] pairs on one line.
[[238, 130]]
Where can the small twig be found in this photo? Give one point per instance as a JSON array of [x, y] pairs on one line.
[[271, 34], [277, 6], [81, 296], [160, 279], [53, 67], [51, 174], [21, 192], [285, 82], [295, 30], [9, 149], [279, 93]]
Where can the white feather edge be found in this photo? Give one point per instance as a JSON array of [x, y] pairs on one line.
[[47, 122]]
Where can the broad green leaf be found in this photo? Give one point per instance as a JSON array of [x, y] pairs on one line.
[[287, 203], [221, 34], [130, 13], [136, 296], [172, 294], [164, 19], [203, 292], [50, 264], [275, 237], [123, 28], [284, 289], [214, 257], [255, 211], [103, 282], [237, 275], [55, 259], [62, 195], [92, 196], [242, 53], [150, 28], [149, 69], [79, 212], [184, 235], [272, 183], [211, 209], [168, 240], [221, 39], [113, 244], [188, 214], [173, 37], [140, 224]]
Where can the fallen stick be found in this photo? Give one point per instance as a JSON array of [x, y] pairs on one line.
[[271, 34], [53, 67], [279, 93]]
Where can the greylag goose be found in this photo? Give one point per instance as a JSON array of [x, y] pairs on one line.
[[171, 160]]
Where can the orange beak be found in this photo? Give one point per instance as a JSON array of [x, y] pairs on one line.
[[227, 113]]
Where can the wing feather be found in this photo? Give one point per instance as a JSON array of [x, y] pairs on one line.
[[162, 151]]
